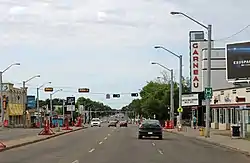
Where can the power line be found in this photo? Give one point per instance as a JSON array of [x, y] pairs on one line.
[[226, 38]]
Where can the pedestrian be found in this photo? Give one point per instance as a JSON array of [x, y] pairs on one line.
[[194, 122]]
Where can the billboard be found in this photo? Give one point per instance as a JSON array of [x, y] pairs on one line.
[[31, 102], [190, 99], [238, 61]]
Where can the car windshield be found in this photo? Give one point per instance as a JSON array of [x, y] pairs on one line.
[[95, 120]]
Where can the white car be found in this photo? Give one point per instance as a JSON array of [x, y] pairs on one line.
[[95, 122]]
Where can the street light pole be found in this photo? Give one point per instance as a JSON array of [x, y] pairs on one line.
[[1, 92], [180, 75], [37, 103], [208, 83], [24, 97], [51, 103], [171, 89]]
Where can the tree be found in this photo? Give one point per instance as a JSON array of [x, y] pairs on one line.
[[155, 98]]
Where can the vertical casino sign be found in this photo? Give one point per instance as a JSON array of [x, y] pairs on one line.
[[196, 67]]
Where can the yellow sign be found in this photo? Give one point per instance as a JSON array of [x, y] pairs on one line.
[[180, 110], [48, 89]]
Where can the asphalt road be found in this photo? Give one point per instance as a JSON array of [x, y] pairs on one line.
[[17, 133], [120, 145]]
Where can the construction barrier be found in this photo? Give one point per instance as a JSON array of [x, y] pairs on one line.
[[79, 122], [169, 124], [46, 130], [67, 125]]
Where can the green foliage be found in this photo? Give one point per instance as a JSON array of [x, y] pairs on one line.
[[102, 110], [155, 99]]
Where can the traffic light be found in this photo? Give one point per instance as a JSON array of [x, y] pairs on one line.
[[134, 94], [48, 89], [116, 95], [83, 90]]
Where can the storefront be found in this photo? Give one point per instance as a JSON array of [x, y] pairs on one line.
[[224, 106], [12, 104]]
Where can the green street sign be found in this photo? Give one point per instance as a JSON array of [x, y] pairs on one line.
[[208, 93]]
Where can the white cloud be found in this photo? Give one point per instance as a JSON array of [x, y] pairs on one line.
[[78, 42]]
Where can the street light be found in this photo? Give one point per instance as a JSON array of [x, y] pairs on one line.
[[1, 90], [171, 90], [24, 96], [37, 102], [208, 85], [180, 75], [51, 107]]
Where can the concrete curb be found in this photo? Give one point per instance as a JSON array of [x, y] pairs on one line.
[[39, 140], [214, 143]]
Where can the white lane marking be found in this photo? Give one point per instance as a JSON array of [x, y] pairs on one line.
[[106, 138], [160, 152], [108, 134], [76, 161], [153, 144], [92, 150], [100, 142]]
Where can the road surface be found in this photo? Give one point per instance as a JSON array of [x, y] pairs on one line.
[[120, 145]]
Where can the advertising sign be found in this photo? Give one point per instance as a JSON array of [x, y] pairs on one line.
[[31, 102], [196, 66], [238, 61], [190, 99]]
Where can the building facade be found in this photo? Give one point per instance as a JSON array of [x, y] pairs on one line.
[[225, 106], [13, 104]]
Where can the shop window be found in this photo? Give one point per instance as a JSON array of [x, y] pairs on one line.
[[247, 89], [222, 92], [234, 91]]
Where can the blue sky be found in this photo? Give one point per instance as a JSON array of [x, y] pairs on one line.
[[105, 45]]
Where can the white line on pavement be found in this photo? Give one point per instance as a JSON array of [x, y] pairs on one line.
[[100, 142], [106, 138], [160, 152], [92, 150], [153, 144], [76, 161]]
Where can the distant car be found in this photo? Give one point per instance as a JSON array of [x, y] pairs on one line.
[[123, 124], [150, 128], [95, 122], [112, 123]]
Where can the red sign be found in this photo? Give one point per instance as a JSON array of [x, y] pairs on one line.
[[196, 66]]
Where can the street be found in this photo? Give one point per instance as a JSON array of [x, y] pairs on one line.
[[120, 145]]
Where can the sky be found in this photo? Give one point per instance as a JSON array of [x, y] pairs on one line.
[[106, 45]]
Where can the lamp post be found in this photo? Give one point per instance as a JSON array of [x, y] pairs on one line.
[[1, 90], [208, 83], [180, 74], [24, 96], [51, 107], [171, 89], [37, 102]]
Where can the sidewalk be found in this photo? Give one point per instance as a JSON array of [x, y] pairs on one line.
[[219, 138], [22, 141]]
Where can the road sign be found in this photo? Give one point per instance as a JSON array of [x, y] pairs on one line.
[[48, 89], [70, 101], [180, 109], [208, 93]]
